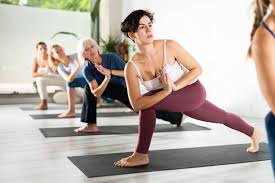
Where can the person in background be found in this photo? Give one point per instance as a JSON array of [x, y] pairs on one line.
[[69, 68], [262, 51], [43, 75]]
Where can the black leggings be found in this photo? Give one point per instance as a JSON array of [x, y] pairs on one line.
[[117, 92]]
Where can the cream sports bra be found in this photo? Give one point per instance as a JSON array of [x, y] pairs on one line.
[[45, 69], [175, 71]]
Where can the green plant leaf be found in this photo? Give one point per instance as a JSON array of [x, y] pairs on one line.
[[66, 33], [95, 11]]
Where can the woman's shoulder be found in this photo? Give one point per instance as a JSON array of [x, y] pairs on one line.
[[137, 58], [130, 67], [110, 55], [34, 60], [170, 43], [161, 41], [261, 37]]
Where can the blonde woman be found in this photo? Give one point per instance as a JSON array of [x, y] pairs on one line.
[[43, 75], [69, 68], [262, 51]]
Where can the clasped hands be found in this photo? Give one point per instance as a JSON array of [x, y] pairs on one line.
[[166, 81], [103, 70]]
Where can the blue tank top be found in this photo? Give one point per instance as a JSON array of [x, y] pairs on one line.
[[68, 69]]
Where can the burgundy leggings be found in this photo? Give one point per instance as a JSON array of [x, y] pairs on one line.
[[191, 101]]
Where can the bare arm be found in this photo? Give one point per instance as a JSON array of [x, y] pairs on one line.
[[35, 69], [96, 90], [70, 77], [184, 58], [137, 101], [264, 57], [101, 69], [118, 73]]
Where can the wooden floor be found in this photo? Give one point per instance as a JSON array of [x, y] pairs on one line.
[[27, 156]]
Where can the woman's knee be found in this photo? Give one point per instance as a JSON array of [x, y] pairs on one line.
[[150, 110], [195, 95], [40, 81], [200, 90], [88, 95]]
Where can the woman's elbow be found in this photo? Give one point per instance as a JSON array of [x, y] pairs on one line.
[[199, 70], [136, 107], [96, 94], [69, 80]]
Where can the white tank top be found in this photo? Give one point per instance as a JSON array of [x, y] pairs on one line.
[[175, 72], [40, 68], [45, 69]]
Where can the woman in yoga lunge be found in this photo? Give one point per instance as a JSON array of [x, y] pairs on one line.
[[170, 75]]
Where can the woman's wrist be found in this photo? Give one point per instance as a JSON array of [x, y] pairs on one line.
[[167, 91], [174, 87], [108, 76]]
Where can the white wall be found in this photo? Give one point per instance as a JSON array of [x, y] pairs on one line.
[[110, 18], [216, 33], [22, 27], [104, 19]]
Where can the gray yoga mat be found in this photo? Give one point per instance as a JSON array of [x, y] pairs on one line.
[[31, 108], [99, 114], [171, 159], [113, 130]]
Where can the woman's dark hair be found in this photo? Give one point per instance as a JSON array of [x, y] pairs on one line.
[[40, 43], [131, 22]]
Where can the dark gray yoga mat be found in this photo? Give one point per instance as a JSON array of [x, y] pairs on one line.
[[99, 114], [31, 108], [113, 130], [171, 159]]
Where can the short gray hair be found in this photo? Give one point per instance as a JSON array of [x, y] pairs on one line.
[[82, 44]]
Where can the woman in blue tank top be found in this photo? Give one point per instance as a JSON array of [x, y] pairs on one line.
[[262, 51], [69, 68]]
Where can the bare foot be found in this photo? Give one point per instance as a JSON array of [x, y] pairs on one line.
[[41, 107], [88, 128], [129, 110], [255, 140], [100, 103], [67, 115], [183, 118], [136, 159]]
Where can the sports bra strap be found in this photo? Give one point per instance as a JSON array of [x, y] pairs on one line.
[[268, 29], [164, 53], [137, 69]]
